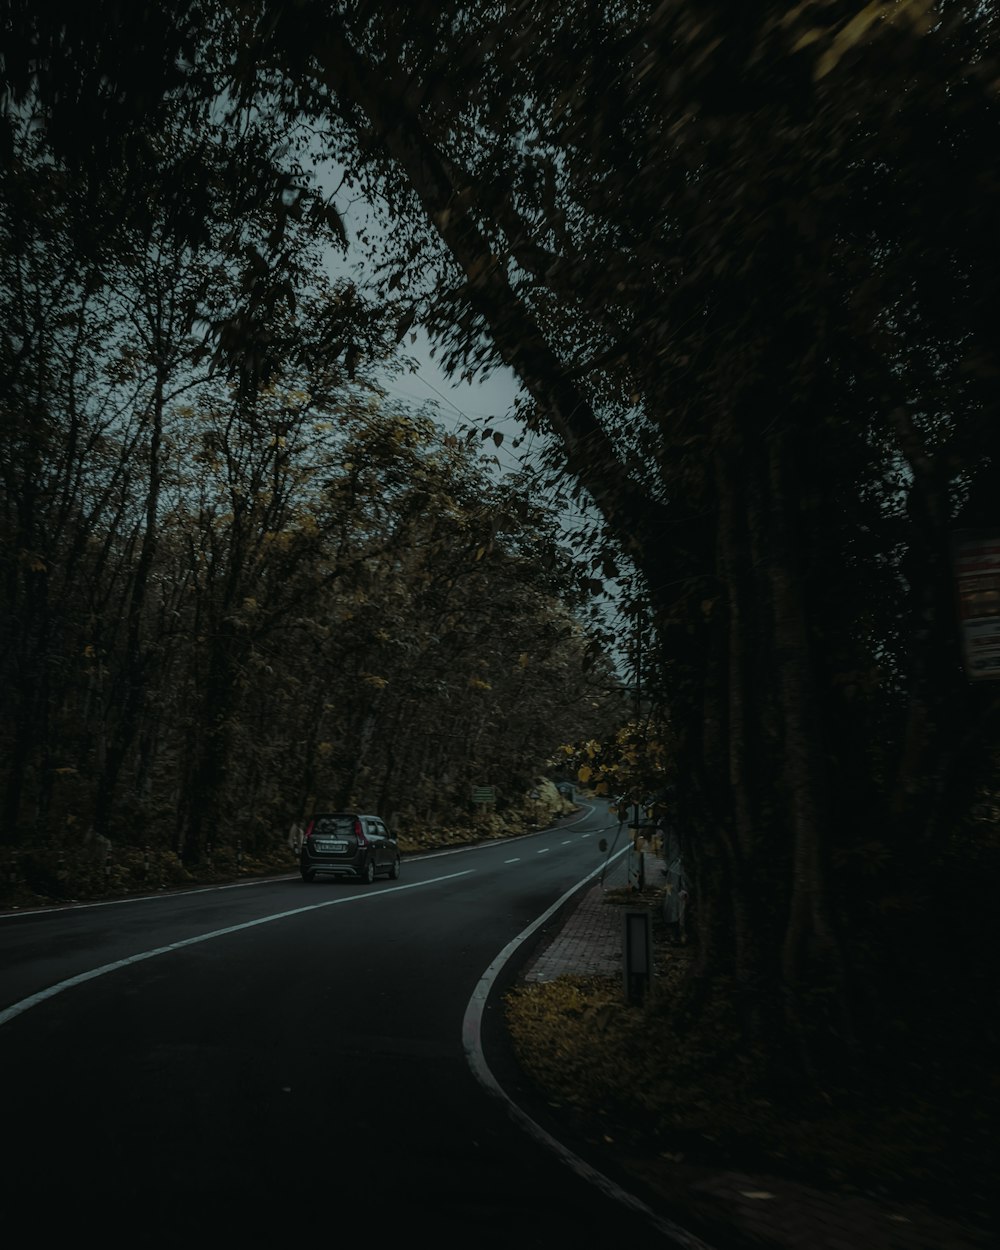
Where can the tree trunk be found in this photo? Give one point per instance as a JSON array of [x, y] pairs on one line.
[[199, 810], [744, 876], [134, 661], [812, 943]]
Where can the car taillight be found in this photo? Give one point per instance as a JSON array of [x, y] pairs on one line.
[[359, 833]]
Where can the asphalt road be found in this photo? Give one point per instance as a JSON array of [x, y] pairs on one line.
[[279, 1058]]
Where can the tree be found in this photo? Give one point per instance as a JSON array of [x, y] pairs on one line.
[[756, 332], [743, 260]]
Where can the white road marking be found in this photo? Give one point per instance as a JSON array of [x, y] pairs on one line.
[[33, 1000], [472, 1027]]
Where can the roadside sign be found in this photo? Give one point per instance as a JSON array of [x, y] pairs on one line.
[[484, 794], [977, 578]]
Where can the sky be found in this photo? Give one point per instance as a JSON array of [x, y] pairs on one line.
[[457, 405], [487, 404]]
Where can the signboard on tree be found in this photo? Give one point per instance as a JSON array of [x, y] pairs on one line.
[[977, 577]]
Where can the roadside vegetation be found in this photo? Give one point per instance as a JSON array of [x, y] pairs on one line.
[[673, 1097], [743, 260], [229, 601]]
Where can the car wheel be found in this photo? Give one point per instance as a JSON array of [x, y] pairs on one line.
[[394, 870], [369, 872], [307, 874]]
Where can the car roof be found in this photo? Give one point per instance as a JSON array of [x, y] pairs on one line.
[[348, 812]]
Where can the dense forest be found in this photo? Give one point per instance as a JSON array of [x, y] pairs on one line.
[[742, 259], [233, 589]]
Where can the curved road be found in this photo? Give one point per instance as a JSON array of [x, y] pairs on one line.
[[274, 1057]]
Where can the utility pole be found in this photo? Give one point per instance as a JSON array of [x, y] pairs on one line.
[[641, 873], [638, 668]]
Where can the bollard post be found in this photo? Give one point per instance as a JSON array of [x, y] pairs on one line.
[[637, 949]]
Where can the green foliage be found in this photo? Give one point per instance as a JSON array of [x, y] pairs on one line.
[[743, 259], [230, 595], [743, 264], [635, 761]]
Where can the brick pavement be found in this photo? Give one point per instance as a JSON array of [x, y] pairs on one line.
[[769, 1212], [590, 940]]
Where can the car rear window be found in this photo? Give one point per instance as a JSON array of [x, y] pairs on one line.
[[337, 824]]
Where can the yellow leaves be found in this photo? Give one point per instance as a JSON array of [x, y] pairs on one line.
[[250, 604], [324, 750], [917, 13], [89, 651], [372, 679], [522, 661], [480, 552], [810, 37], [847, 38], [477, 683], [630, 761], [279, 539], [480, 269]]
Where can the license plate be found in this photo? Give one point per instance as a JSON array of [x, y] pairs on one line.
[[331, 848]]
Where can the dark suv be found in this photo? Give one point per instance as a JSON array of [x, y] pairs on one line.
[[348, 844]]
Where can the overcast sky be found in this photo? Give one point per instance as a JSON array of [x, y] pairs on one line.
[[454, 404], [486, 404]]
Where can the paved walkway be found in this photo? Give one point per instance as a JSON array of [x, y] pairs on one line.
[[758, 1210], [590, 940]]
